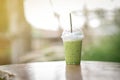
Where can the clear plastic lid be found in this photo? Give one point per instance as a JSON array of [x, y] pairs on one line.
[[75, 35]]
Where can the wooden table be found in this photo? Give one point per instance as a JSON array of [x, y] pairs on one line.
[[88, 70]]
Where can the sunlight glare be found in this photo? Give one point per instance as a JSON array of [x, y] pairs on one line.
[[94, 23], [40, 15]]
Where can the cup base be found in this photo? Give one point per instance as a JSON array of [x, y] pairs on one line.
[[69, 63]]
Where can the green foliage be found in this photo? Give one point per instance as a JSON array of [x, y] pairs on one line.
[[2, 79], [107, 50]]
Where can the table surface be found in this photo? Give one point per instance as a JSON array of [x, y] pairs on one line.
[[58, 70]]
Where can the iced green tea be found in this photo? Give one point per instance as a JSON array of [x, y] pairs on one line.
[[72, 47]]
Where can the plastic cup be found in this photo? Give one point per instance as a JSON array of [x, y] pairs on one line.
[[72, 46]]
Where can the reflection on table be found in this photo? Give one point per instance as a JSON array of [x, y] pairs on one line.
[[73, 72], [58, 70]]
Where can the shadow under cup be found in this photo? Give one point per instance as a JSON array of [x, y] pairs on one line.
[[73, 72]]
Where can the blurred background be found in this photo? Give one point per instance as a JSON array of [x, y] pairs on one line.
[[30, 30]]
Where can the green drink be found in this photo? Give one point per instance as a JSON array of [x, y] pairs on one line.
[[72, 47], [73, 51]]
